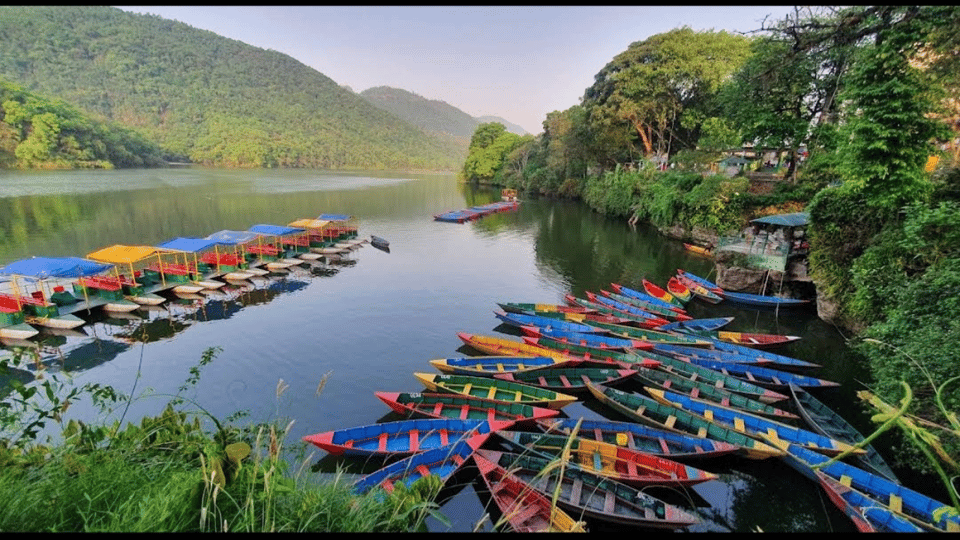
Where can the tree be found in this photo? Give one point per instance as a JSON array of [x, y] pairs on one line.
[[653, 83]]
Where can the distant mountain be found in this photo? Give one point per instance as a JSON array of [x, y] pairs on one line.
[[512, 128], [431, 115], [203, 97]]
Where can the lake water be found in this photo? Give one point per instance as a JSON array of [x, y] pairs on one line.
[[332, 335]]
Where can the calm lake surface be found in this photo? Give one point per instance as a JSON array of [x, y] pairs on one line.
[[369, 322]]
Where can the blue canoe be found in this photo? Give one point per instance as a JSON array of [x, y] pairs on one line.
[[770, 378], [758, 300], [487, 366], [736, 353], [520, 320], [594, 341], [444, 462], [697, 325], [867, 514], [904, 501], [644, 297], [705, 283], [401, 437]]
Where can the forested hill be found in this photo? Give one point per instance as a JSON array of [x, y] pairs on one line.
[[203, 97], [512, 128], [429, 114]]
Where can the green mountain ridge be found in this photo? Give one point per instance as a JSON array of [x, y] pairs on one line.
[[203, 97]]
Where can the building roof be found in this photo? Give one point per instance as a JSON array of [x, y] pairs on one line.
[[797, 219]]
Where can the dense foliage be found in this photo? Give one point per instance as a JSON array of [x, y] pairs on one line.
[[205, 98], [41, 133]]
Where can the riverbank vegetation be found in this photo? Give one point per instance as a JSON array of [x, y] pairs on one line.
[[863, 96], [179, 471]]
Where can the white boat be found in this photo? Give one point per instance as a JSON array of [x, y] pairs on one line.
[[278, 266], [257, 271], [59, 321], [330, 250], [18, 331], [148, 299], [239, 275], [210, 284], [120, 306], [309, 256]]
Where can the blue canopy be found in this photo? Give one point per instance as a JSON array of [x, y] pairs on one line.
[[188, 244], [233, 237], [276, 230], [334, 217], [59, 267], [798, 219]]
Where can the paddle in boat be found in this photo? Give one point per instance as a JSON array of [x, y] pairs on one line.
[[621, 464], [649, 411], [639, 437], [582, 492], [443, 462], [402, 437], [457, 406], [523, 509], [492, 388]]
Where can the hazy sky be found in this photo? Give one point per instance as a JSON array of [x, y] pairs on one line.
[[515, 62]]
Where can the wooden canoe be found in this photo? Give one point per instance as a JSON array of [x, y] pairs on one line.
[[584, 318], [504, 347], [492, 388], [701, 292], [444, 405], [696, 325], [639, 437], [657, 291], [827, 422], [866, 514], [703, 282], [649, 411], [519, 320], [652, 336], [523, 509], [728, 352], [569, 380], [488, 366], [644, 298], [708, 392], [692, 371], [679, 291], [590, 356], [758, 427], [644, 320], [584, 493], [402, 437], [595, 341], [699, 250], [675, 313], [621, 464], [443, 462], [769, 378], [526, 308], [763, 301], [755, 340], [918, 508]]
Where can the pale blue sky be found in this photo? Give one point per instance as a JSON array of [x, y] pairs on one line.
[[516, 62]]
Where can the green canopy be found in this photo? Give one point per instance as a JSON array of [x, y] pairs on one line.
[[798, 219]]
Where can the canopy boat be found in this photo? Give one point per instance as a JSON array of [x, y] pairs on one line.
[[492, 388], [570, 380], [139, 275], [610, 460], [292, 243], [865, 513], [652, 336], [666, 380], [590, 355], [660, 293], [649, 411], [594, 341], [696, 325], [320, 237], [519, 320], [400, 438], [757, 300], [643, 319], [641, 438], [443, 405], [679, 291], [918, 508], [343, 227], [522, 508], [827, 422], [694, 372], [199, 258], [31, 284], [623, 302], [248, 249], [775, 433], [770, 378], [484, 366], [13, 325], [505, 347], [444, 462], [582, 492], [643, 298], [699, 291]]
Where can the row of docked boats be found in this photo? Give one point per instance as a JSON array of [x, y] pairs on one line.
[[477, 212], [499, 417], [50, 292]]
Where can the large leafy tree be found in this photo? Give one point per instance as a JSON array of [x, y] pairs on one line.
[[646, 90]]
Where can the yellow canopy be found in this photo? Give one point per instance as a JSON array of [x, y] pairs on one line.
[[309, 224], [122, 254]]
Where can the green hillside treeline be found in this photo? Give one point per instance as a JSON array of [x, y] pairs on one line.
[[204, 98]]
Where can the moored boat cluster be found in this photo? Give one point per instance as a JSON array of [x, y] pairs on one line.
[[50, 292], [681, 390]]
